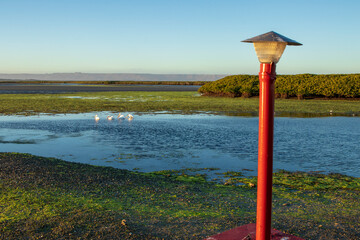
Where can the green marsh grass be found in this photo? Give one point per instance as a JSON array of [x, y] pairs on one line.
[[50, 198], [172, 102]]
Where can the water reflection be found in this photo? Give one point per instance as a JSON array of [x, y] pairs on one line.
[[165, 141]]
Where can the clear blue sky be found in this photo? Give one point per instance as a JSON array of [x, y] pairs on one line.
[[175, 36]]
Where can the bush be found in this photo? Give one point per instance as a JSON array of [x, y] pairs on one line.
[[301, 85]]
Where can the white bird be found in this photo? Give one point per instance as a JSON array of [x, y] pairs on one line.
[[120, 116], [97, 118], [110, 118], [130, 117]]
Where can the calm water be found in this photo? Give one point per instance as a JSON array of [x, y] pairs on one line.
[[164, 141]]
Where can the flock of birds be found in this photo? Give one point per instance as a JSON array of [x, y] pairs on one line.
[[120, 117]]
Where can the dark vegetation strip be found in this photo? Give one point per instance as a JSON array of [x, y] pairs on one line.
[[53, 199], [74, 88], [300, 86], [198, 83]]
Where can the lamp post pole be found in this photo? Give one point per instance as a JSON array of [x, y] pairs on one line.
[[269, 47], [267, 76]]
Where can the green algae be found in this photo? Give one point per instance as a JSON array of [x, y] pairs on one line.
[[60, 199]]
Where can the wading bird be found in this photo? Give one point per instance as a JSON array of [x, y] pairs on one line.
[[97, 118], [130, 117], [120, 116]]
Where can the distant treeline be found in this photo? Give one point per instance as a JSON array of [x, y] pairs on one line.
[[199, 83], [300, 86]]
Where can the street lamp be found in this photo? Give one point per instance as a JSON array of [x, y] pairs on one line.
[[269, 47]]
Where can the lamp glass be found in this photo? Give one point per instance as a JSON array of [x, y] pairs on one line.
[[269, 52]]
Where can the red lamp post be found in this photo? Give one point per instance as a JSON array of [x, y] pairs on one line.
[[269, 48]]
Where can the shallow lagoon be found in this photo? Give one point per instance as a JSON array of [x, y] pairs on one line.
[[153, 142]]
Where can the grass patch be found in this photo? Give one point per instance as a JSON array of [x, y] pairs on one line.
[[173, 102], [50, 198]]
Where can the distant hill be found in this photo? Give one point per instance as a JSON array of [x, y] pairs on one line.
[[78, 76]]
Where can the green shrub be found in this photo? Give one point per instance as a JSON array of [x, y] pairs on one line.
[[301, 85], [233, 86]]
